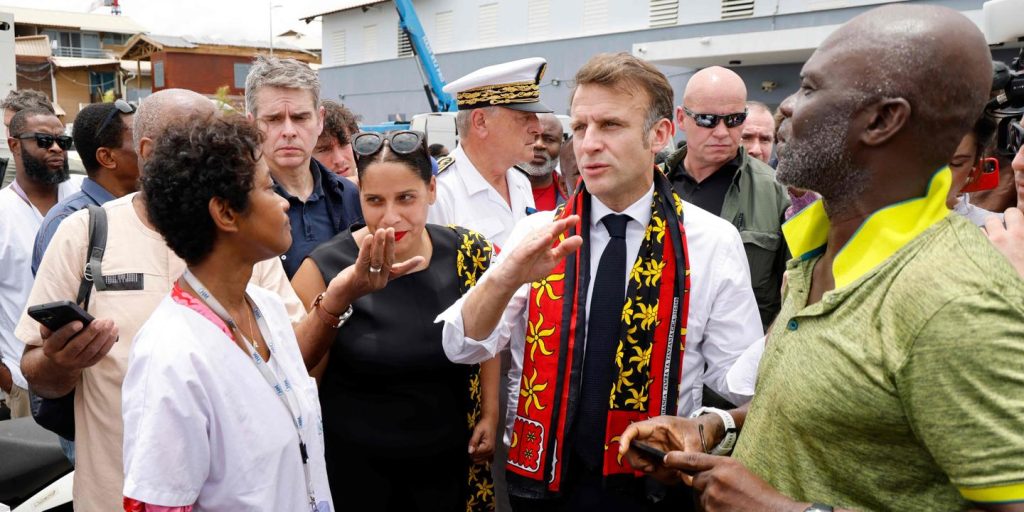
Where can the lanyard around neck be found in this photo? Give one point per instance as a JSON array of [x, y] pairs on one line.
[[283, 392]]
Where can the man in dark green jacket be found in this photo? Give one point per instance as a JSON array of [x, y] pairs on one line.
[[713, 172]]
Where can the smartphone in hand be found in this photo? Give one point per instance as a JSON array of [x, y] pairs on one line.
[[55, 315], [648, 452]]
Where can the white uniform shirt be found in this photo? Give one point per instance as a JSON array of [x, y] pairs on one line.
[[466, 199], [19, 222], [202, 425], [723, 318]]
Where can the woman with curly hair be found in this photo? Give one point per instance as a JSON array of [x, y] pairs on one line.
[[219, 412], [404, 426]]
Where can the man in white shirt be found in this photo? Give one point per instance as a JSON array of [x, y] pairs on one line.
[[39, 148], [687, 313], [477, 186]]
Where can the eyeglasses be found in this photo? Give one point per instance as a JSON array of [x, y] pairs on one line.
[[711, 120], [1016, 137], [402, 142], [121, 106], [46, 140]]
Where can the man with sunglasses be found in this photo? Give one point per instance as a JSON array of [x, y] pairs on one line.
[[714, 172], [39, 148], [103, 139]]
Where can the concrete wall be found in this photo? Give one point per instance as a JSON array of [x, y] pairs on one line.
[[535, 21], [379, 90]]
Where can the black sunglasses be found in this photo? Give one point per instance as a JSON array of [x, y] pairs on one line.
[[46, 140], [121, 106], [1016, 137], [402, 142], [711, 120]]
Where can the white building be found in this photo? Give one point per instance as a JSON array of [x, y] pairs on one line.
[[368, 65]]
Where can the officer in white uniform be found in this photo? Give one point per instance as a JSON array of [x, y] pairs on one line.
[[477, 186]]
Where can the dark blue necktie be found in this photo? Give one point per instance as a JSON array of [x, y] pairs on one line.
[[603, 324]]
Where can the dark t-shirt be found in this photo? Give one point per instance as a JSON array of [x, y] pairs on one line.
[[710, 193]]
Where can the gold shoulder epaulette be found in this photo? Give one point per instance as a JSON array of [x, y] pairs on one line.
[[444, 163]]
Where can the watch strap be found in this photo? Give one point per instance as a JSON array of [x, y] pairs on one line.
[[725, 446]]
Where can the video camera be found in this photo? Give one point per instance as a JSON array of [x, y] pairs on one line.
[[1007, 105]]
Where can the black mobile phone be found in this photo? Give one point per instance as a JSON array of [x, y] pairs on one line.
[[55, 315], [648, 452]]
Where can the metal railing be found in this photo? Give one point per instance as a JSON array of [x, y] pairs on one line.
[[88, 53]]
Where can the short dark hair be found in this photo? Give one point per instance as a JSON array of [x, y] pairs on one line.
[[22, 99], [21, 118], [435, 150], [339, 122], [418, 161], [87, 141], [193, 162]]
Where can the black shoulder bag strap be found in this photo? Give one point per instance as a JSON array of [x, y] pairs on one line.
[[93, 273]]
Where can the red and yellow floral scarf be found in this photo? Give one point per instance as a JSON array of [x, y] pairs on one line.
[[649, 356]]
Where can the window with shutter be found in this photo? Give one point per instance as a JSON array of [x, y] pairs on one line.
[[444, 24], [337, 47], [595, 15], [737, 9], [664, 13], [538, 19], [487, 24]]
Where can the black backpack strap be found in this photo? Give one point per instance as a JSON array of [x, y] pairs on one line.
[[93, 273]]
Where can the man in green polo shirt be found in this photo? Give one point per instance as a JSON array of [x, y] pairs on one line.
[[893, 378]]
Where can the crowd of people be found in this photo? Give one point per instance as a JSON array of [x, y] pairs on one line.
[[819, 308]]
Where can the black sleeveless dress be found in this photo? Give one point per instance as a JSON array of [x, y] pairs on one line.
[[394, 406]]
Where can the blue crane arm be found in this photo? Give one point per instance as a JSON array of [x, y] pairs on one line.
[[410, 23]]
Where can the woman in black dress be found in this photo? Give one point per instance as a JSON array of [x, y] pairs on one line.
[[405, 429]]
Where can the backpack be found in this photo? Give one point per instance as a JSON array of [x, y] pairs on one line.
[[58, 414]]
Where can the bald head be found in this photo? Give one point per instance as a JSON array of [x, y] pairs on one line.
[[162, 108], [715, 84], [933, 57]]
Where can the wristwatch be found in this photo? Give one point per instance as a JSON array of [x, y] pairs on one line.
[[818, 507], [731, 432], [332, 321]]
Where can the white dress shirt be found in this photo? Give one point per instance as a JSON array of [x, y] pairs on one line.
[[723, 318], [18, 227], [466, 199]]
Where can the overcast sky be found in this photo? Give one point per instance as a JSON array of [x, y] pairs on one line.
[[221, 19]]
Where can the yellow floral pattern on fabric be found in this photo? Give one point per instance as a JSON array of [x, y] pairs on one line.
[[544, 285], [640, 317], [535, 338], [471, 260], [530, 389]]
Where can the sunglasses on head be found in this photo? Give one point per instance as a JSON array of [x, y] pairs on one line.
[[121, 106], [402, 142], [46, 140], [711, 120]]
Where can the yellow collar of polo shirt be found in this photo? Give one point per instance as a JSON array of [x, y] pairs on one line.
[[882, 233]]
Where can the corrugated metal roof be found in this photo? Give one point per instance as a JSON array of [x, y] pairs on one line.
[[170, 41], [342, 5], [32, 46], [77, 62], [195, 42], [76, 20]]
